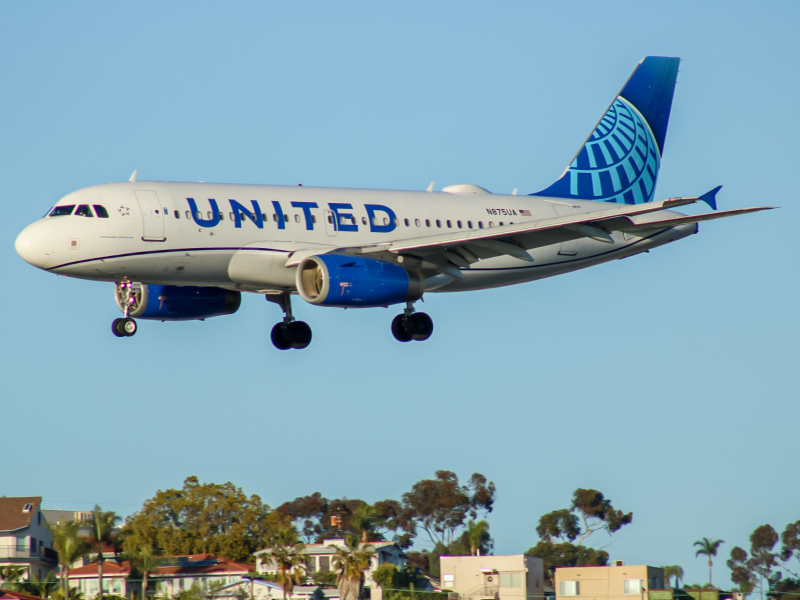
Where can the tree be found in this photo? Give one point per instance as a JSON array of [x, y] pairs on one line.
[[286, 554], [42, 587], [597, 513], [708, 548], [12, 578], [144, 562], [441, 506], [103, 524], [202, 518], [675, 571], [741, 572], [565, 554], [366, 520], [790, 545], [69, 548], [350, 564], [762, 559], [475, 534]]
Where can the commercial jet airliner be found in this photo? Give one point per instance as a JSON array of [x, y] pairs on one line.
[[182, 251]]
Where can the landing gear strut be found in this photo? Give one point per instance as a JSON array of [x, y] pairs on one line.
[[412, 325], [288, 333], [125, 327]]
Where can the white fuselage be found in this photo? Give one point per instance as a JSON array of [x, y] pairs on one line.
[[153, 234]]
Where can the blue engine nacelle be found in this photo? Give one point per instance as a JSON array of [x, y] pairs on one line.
[[354, 281], [179, 303]]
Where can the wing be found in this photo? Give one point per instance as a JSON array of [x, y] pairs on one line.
[[448, 253]]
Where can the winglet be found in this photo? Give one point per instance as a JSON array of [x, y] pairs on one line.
[[133, 177], [710, 197]]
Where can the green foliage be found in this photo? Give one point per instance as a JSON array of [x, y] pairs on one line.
[[386, 576], [441, 506], [675, 571], [588, 506], [43, 587], [566, 554], [559, 524], [208, 517], [350, 564], [12, 578], [70, 548], [324, 578], [286, 554], [708, 548]]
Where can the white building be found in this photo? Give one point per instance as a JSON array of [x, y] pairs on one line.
[[25, 540]]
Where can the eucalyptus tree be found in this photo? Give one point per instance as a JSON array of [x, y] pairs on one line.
[[709, 549], [351, 562]]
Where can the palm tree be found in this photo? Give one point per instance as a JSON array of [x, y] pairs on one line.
[[366, 520], [351, 563], [42, 587], [709, 549], [675, 571], [69, 547], [145, 562], [102, 534], [12, 578], [286, 551], [475, 533]]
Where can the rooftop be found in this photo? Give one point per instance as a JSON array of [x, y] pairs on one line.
[[16, 513]]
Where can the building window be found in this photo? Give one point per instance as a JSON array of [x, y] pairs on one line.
[[569, 588], [448, 581], [22, 544], [311, 565], [510, 580], [632, 586], [324, 563]]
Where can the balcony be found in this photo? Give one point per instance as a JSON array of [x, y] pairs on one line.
[[26, 554]]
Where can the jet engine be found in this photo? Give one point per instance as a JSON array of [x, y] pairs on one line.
[[178, 303], [354, 281]]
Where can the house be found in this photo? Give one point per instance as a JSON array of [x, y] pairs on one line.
[[615, 582], [268, 590], [178, 573], [25, 540], [512, 577], [319, 557], [9, 595]]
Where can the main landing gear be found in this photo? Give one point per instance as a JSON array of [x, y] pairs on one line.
[[289, 333], [412, 325], [125, 327]]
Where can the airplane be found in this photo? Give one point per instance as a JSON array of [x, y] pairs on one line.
[[185, 251]]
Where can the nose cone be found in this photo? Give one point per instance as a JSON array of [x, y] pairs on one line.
[[35, 245]]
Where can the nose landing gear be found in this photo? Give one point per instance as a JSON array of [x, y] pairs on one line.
[[410, 325], [288, 333], [129, 298]]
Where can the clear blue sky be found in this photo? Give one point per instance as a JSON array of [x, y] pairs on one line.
[[669, 381]]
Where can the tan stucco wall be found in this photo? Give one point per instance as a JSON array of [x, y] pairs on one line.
[[471, 576], [607, 583]]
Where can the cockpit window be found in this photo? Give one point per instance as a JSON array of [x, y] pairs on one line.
[[62, 211], [48, 211], [100, 211], [84, 211]]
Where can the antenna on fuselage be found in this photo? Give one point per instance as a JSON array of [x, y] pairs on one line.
[[133, 177], [430, 187], [514, 193]]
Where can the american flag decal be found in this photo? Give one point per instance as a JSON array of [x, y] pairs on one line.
[[525, 213]]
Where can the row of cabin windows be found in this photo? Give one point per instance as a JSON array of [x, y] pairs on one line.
[[84, 210]]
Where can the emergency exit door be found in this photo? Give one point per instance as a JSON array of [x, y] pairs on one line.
[[152, 216]]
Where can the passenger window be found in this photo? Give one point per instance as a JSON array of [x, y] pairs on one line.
[[62, 211], [101, 211], [84, 211], [286, 218], [200, 215], [275, 217], [264, 217], [166, 211], [330, 219], [459, 224], [469, 224], [209, 215], [374, 220], [313, 218], [501, 223], [188, 215], [427, 222], [406, 222], [363, 220], [297, 218], [177, 214], [396, 222], [491, 224], [221, 216], [231, 216], [480, 224], [449, 224], [385, 220], [416, 222]]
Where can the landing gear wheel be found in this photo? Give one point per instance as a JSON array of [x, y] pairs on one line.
[[123, 327], [419, 326], [279, 338], [399, 330], [298, 334]]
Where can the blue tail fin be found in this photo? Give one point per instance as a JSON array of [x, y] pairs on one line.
[[620, 160]]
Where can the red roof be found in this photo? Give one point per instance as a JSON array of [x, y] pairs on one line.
[[11, 515], [7, 595], [222, 565]]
